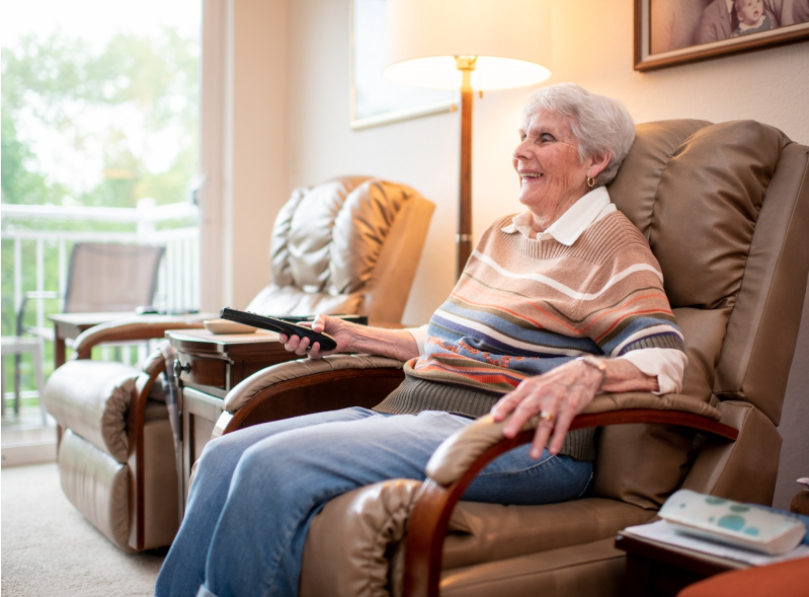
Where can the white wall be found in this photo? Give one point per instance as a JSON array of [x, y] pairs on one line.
[[255, 159]]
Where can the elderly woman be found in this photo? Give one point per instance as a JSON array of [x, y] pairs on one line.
[[555, 304]]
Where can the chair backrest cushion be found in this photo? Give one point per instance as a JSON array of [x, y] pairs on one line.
[[721, 212], [327, 241]]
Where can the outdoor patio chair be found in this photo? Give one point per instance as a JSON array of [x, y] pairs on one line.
[[725, 208], [101, 277], [350, 246]]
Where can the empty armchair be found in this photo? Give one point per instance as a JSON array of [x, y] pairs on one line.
[[115, 462], [350, 246]]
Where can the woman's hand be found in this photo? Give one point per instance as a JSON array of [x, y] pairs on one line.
[[352, 337], [563, 393], [337, 328]]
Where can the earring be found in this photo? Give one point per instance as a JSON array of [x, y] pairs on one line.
[[591, 182]]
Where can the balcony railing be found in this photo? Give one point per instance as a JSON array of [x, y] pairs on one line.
[[39, 235]]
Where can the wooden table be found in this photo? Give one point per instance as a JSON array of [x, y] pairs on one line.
[[654, 569], [70, 325], [208, 366]]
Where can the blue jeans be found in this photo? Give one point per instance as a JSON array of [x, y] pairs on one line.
[[256, 490]]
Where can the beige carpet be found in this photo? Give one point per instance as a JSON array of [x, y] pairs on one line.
[[49, 549]]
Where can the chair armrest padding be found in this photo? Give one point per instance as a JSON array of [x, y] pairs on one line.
[[345, 553], [249, 387], [92, 399], [453, 457]]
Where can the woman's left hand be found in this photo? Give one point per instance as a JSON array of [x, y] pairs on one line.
[[561, 394]]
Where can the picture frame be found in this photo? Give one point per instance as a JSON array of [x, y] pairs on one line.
[[675, 32], [376, 101]]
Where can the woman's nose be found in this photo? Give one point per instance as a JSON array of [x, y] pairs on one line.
[[520, 152]]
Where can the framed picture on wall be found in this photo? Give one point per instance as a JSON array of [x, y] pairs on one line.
[[672, 32], [374, 99]]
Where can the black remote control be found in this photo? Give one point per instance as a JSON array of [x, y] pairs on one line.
[[358, 319], [278, 325]]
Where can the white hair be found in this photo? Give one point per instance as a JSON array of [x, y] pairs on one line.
[[599, 123]]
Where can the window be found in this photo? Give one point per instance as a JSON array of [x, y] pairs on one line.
[[100, 132]]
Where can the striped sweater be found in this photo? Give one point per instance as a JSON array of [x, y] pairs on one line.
[[523, 307]]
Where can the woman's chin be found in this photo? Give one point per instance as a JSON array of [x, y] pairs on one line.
[[532, 200]]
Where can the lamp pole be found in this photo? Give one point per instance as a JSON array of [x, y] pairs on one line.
[[466, 65]]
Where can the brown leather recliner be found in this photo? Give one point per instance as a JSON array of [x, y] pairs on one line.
[[726, 210], [351, 245]]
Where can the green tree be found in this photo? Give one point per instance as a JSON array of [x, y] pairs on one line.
[[59, 83], [144, 87]]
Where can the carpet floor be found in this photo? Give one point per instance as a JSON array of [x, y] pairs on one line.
[[49, 549]]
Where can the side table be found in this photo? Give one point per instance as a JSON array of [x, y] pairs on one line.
[[655, 569], [208, 366]]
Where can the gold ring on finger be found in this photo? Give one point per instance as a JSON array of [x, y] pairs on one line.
[[546, 416]]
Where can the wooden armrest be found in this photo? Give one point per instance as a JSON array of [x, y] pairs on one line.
[[463, 455], [459, 452], [306, 386], [136, 420], [142, 328]]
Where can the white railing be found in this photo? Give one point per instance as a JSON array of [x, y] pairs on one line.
[[178, 280]]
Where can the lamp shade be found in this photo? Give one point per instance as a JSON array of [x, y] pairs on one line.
[[510, 38]]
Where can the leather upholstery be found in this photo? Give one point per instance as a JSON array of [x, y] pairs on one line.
[[744, 470], [369, 520], [713, 186], [161, 494], [350, 245], [763, 328], [97, 485], [350, 541], [726, 209], [704, 331], [485, 532], [584, 570], [706, 207], [96, 456], [641, 464], [697, 191], [97, 411]]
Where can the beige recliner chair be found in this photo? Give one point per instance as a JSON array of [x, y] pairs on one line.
[[350, 246], [726, 210]]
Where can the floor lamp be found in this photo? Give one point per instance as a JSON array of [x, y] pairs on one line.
[[471, 45]]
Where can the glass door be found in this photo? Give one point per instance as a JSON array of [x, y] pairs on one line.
[[100, 121]]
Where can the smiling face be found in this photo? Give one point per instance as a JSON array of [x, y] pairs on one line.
[[547, 161], [749, 11]]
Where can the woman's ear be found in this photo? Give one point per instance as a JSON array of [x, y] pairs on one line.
[[598, 162]]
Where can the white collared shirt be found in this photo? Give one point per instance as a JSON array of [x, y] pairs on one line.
[[667, 364], [568, 228]]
